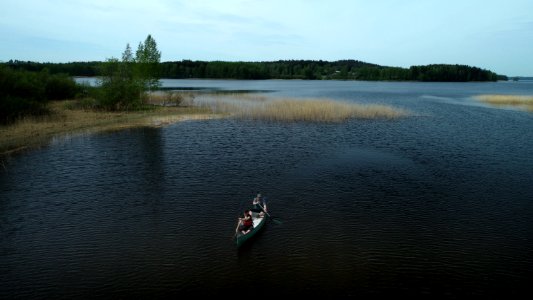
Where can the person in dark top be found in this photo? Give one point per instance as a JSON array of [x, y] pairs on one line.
[[257, 207]]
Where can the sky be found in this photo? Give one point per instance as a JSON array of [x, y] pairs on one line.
[[491, 34]]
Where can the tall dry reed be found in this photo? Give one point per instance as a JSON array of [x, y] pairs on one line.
[[257, 107], [171, 98], [64, 121], [522, 101]]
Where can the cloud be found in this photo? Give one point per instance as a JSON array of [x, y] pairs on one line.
[[388, 32]]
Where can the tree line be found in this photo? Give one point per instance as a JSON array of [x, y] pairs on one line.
[[124, 84], [284, 69], [27, 87]]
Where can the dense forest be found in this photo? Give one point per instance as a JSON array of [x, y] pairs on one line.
[[283, 69]]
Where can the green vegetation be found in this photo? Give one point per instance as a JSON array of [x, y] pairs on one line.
[[290, 69], [128, 93], [68, 118], [74, 117], [27, 93], [525, 102], [147, 62], [343, 70], [459, 73], [89, 68], [124, 82]]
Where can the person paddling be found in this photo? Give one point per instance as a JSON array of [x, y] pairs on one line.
[[256, 206]]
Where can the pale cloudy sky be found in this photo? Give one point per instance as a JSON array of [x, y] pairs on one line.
[[491, 34]]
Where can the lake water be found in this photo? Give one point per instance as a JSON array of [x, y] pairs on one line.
[[440, 202]]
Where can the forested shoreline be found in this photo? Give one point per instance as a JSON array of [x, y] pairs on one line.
[[27, 87], [282, 69]]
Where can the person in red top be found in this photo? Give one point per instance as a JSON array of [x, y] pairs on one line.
[[246, 223]]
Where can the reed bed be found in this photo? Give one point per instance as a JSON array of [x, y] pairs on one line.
[[35, 131], [70, 118], [256, 107], [171, 98], [521, 101]]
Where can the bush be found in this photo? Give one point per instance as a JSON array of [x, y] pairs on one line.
[[21, 93], [60, 87], [27, 93], [119, 89]]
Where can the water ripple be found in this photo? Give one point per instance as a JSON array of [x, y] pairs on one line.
[[434, 204]]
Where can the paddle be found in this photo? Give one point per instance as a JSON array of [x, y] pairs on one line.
[[239, 220], [274, 220], [236, 229]]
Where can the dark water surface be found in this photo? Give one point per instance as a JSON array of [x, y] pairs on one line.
[[440, 202]]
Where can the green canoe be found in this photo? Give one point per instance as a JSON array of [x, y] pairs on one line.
[[258, 224]]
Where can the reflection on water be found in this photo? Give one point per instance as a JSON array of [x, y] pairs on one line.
[[436, 203]]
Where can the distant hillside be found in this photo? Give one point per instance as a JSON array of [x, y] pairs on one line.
[[460, 73], [282, 69], [285, 69], [519, 78]]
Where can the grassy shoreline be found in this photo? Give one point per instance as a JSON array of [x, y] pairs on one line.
[[69, 118], [33, 132]]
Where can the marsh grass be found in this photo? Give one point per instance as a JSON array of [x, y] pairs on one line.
[[70, 118], [258, 107], [525, 102], [66, 119], [171, 98]]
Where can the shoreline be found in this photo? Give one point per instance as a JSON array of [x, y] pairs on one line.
[[35, 132], [67, 119]]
